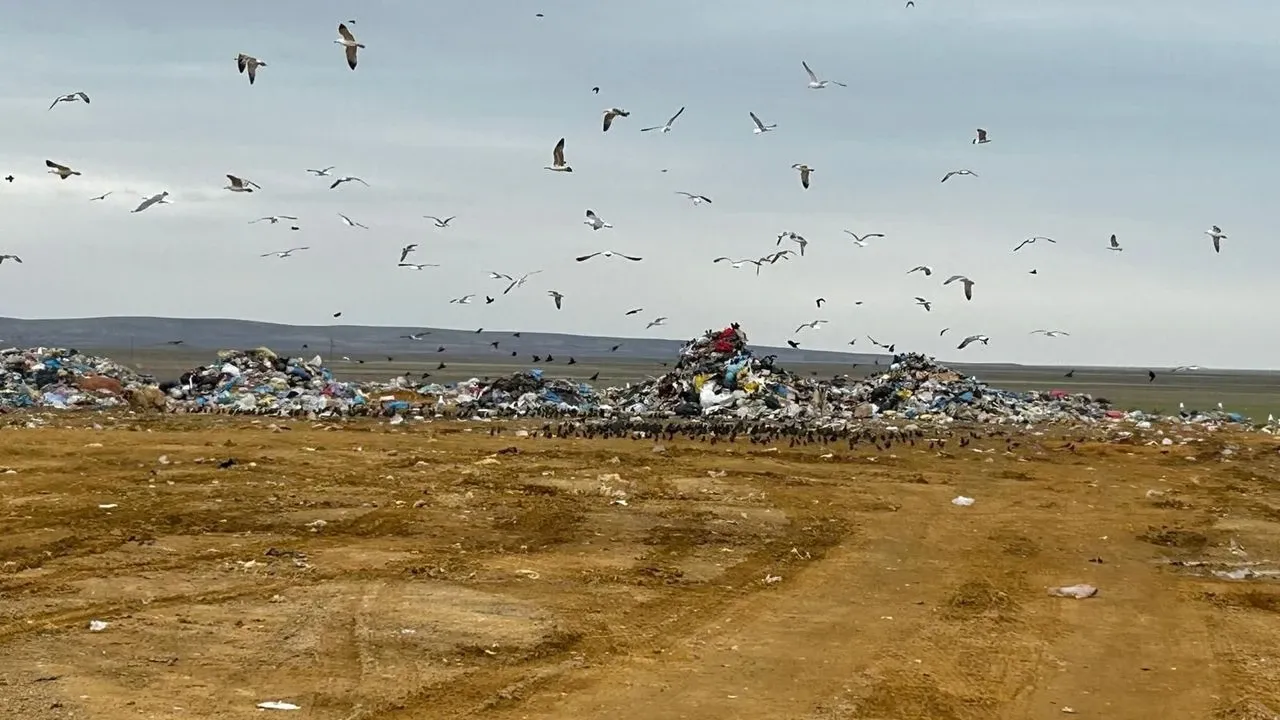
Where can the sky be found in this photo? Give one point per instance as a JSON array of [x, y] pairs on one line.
[[1150, 119]]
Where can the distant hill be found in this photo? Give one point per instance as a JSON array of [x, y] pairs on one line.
[[217, 333]]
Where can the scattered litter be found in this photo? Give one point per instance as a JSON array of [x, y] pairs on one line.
[[97, 625], [108, 506], [1079, 592], [278, 705], [962, 501], [531, 574]]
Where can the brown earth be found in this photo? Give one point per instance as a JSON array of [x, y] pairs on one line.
[[369, 572]]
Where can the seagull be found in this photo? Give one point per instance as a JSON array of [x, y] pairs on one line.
[[284, 253], [982, 137], [781, 254], [71, 97], [819, 302], [464, 300], [924, 304], [972, 338], [804, 174], [321, 173], [612, 113], [1115, 244], [862, 241], [760, 127], [417, 266], [250, 63], [103, 196], [812, 324], [880, 344], [61, 171], [240, 184], [273, 218], [634, 311], [921, 268], [959, 172], [656, 322], [594, 221], [153, 200], [608, 254], [695, 199], [1215, 233], [968, 285], [404, 251], [665, 128], [739, 263], [347, 179], [943, 331], [557, 159], [1180, 368], [556, 296], [351, 223], [1049, 333], [416, 336], [440, 223], [14, 258], [1032, 240], [515, 282], [814, 82], [349, 42]]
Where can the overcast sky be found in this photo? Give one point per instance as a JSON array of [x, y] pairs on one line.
[[1151, 119]]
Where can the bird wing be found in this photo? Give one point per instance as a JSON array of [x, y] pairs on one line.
[[362, 182], [673, 117], [582, 258], [56, 166], [756, 120], [345, 33], [55, 102], [629, 257], [557, 155], [982, 134], [591, 215], [944, 177], [608, 119], [688, 195], [337, 182], [812, 77], [1024, 242], [351, 56], [235, 181]]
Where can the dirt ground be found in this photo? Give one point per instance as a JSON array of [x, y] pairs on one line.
[[369, 571]]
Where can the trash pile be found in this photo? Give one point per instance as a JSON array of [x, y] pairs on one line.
[[61, 378], [523, 393]]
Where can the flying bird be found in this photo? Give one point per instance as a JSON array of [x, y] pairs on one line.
[[656, 322], [665, 128], [921, 268], [1115, 244], [404, 251], [321, 173], [440, 223], [103, 196], [1032, 240], [1215, 233], [814, 82], [273, 219], [608, 254], [347, 179], [348, 41], [968, 285], [812, 324], [1049, 333], [61, 171], [804, 174], [612, 113], [71, 97], [416, 266], [557, 159], [1185, 368], [738, 263], [594, 221], [250, 64], [558, 297], [284, 253], [351, 223], [464, 300], [14, 258], [513, 283], [819, 302], [695, 199], [794, 345], [153, 200], [236, 184], [862, 241], [416, 336], [634, 311], [982, 137], [760, 127], [881, 345], [972, 339], [924, 304], [959, 172]]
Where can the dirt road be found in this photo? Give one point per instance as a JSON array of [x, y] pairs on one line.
[[372, 572]]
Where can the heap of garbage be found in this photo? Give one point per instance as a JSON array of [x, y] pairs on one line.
[[260, 382], [62, 378]]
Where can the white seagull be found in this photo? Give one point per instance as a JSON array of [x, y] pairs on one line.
[[347, 179], [273, 219], [760, 127], [924, 304], [236, 184], [862, 241], [250, 64], [351, 223], [1032, 240], [739, 263], [103, 196], [921, 268], [1115, 244], [656, 322], [14, 258], [812, 324], [284, 253], [1185, 368], [440, 223], [594, 221], [814, 82], [512, 283], [972, 338], [153, 200], [321, 173], [804, 174], [71, 97], [958, 172], [968, 285], [1215, 233], [348, 41], [612, 113], [464, 300], [417, 266], [665, 128], [695, 199], [1049, 333], [608, 254], [61, 171], [558, 297], [557, 159], [982, 137]]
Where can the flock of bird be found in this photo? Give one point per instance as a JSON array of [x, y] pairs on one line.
[[611, 119]]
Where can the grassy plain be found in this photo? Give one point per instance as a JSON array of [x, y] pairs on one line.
[[367, 571]]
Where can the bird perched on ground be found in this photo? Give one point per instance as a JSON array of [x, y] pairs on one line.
[[351, 223], [1032, 240], [558, 297], [610, 114], [464, 300], [71, 97], [814, 82], [972, 338], [404, 251], [656, 322], [695, 199], [1215, 233], [608, 254], [594, 221], [348, 41], [665, 128], [805, 170], [249, 64], [557, 159], [440, 223], [812, 324], [760, 126], [273, 219], [1049, 333], [924, 304], [347, 179], [982, 137], [153, 200], [236, 184], [1115, 244], [416, 266], [284, 253], [959, 172], [968, 285], [61, 171], [321, 173], [14, 258], [921, 268]]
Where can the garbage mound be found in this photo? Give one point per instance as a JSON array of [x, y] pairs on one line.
[[526, 393], [60, 378]]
